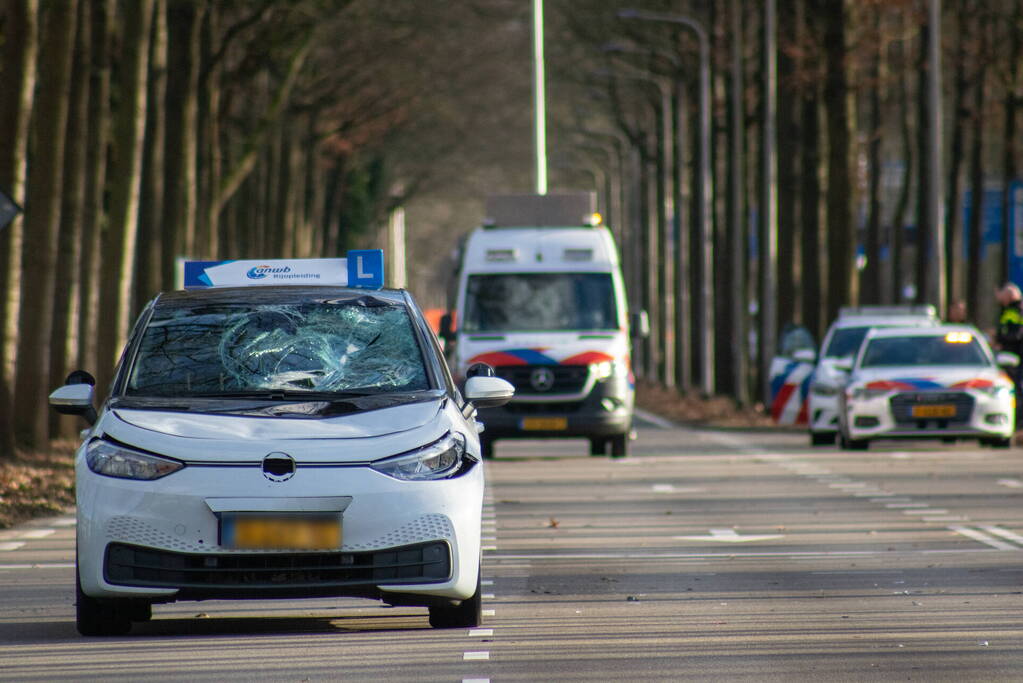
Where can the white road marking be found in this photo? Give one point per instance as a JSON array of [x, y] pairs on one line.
[[65, 521], [925, 511], [487, 596], [655, 420], [1011, 483], [488, 612], [475, 680], [902, 506], [728, 536], [475, 656], [40, 565], [36, 533], [481, 632], [982, 538], [11, 546], [796, 554], [487, 582], [1004, 533], [947, 518], [489, 547]]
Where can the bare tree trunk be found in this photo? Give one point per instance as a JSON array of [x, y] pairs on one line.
[[42, 223], [953, 201], [210, 161], [976, 242], [814, 257], [101, 38], [184, 24], [789, 295], [870, 282], [898, 278], [839, 193], [151, 249], [17, 82], [126, 182], [64, 346], [1010, 105]]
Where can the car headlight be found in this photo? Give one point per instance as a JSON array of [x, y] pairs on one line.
[[824, 389], [439, 460], [112, 460], [866, 394], [994, 391]]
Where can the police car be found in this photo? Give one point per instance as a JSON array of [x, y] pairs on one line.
[[927, 382], [287, 440]]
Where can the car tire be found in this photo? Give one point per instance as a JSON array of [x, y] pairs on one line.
[[467, 614], [598, 446], [822, 438], [998, 443], [619, 445], [99, 617]]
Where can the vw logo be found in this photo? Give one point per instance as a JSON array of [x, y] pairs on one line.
[[278, 467], [542, 379]]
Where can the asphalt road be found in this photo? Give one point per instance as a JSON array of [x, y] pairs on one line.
[[703, 556]]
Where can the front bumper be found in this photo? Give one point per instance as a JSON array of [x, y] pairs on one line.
[[605, 411], [823, 412], [977, 415], [160, 540]]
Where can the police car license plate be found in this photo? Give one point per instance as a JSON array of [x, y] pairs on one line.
[[940, 410], [544, 424], [283, 532]]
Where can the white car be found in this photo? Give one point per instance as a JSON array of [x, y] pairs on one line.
[[842, 342], [279, 442], [927, 382]]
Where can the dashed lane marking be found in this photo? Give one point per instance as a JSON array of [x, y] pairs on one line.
[[475, 656], [39, 565], [982, 538], [1011, 483], [488, 612], [37, 533], [481, 632], [14, 545], [1004, 533], [925, 511]]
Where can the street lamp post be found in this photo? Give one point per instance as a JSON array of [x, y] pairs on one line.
[[705, 295]]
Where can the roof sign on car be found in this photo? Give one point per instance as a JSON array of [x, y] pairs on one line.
[[362, 268]]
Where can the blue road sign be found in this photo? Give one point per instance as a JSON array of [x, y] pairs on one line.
[[8, 210]]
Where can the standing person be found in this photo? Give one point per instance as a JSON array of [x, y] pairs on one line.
[[957, 312], [1009, 334]]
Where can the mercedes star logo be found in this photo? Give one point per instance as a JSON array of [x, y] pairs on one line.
[[542, 379]]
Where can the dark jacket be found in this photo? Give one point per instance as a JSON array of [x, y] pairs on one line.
[[1009, 335]]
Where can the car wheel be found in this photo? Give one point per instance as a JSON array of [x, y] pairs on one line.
[[619, 445], [99, 617], [487, 448], [1000, 443], [598, 446], [821, 438], [467, 614]]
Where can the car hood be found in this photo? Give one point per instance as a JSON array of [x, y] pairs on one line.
[[222, 427], [930, 377]]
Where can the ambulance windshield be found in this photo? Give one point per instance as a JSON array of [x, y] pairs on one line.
[[535, 302]]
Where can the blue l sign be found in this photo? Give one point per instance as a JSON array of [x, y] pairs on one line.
[[366, 268]]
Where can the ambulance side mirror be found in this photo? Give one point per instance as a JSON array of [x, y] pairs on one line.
[[447, 327], [640, 324]]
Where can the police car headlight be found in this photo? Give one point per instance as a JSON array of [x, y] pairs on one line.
[[439, 460], [865, 394], [994, 391], [112, 460]]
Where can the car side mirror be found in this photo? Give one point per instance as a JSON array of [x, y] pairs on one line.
[[640, 324], [75, 398], [480, 370], [805, 356], [844, 364], [488, 392], [1007, 359]]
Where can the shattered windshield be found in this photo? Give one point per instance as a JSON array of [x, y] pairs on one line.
[[321, 347], [540, 302]]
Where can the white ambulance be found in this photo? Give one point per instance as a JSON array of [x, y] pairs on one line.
[[541, 300]]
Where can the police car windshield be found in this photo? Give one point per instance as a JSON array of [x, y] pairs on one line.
[[845, 341], [547, 302], [922, 350], [281, 349]]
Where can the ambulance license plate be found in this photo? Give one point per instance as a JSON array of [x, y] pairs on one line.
[[280, 532], [544, 424]]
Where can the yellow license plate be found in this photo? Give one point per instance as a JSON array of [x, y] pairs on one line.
[[934, 411], [544, 424], [253, 532]]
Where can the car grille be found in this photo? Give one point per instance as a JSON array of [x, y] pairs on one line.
[[902, 407], [219, 574], [543, 408], [567, 379]]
